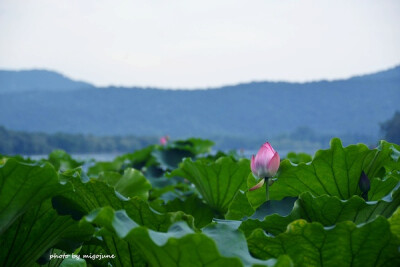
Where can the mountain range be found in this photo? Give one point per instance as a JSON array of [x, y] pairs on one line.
[[46, 101]]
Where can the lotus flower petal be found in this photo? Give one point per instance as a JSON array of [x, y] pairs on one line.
[[266, 162], [273, 164], [260, 184]]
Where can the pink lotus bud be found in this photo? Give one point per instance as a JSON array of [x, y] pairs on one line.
[[164, 140], [266, 163]]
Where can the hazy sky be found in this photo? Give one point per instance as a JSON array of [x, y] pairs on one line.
[[200, 43]]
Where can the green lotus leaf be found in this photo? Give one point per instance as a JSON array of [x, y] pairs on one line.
[[218, 245], [172, 154], [239, 207], [61, 160], [131, 183], [138, 159], [94, 247], [326, 210], [297, 158], [395, 223], [195, 145], [38, 230], [73, 262], [94, 194], [194, 206], [23, 186], [169, 158], [336, 172], [217, 182], [346, 244]]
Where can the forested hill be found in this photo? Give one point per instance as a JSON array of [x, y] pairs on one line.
[[34, 80], [260, 109]]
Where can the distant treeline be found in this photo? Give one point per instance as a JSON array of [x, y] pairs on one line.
[[302, 139], [16, 142]]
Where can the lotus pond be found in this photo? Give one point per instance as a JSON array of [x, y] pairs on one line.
[[179, 205]]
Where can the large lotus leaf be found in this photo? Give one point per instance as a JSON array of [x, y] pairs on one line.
[[94, 247], [219, 245], [172, 154], [395, 223], [131, 183], [65, 260], [217, 155], [54, 261], [282, 207], [23, 186], [138, 159], [61, 160], [194, 145], [19, 158], [169, 158], [218, 182], [326, 210], [73, 262], [255, 204], [336, 172], [142, 160], [256, 197], [94, 194], [387, 156], [194, 206], [38, 230], [297, 158], [240, 207], [99, 167], [381, 188], [170, 192], [346, 244], [232, 243]]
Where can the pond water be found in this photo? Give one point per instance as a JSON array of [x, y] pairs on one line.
[[111, 156]]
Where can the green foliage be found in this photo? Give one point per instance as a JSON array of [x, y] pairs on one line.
[[131, 183], [297, 158], [61, 160], [24, 186], [193, 205], [217, 245], [22, 247], [155, 207], [326, 210], [94, 194], [217, 182], [310, 244], [16, 142], [395, 223], [336, 172]]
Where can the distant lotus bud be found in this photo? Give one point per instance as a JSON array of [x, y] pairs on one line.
[[164, 140], [364, 185], [266, 163]]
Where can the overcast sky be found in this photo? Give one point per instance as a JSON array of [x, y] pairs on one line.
[[200, 43]]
